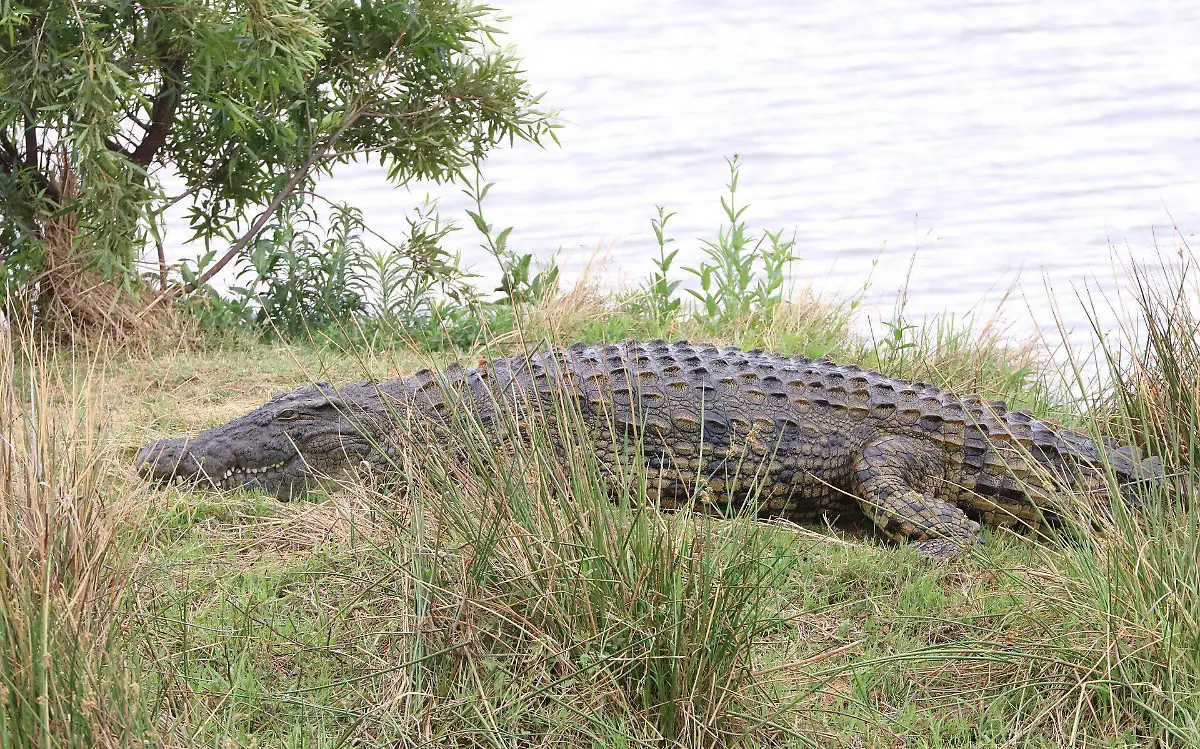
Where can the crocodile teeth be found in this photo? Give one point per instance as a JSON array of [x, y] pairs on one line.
[[255, 470], [238, 475]]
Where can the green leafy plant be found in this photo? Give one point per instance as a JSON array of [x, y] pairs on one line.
[[301, 280], [660, 302], [419, 290], [212, 311], [518, 283], [247, 101], [743, 274]]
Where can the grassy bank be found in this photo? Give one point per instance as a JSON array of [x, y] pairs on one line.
[[528, 608]]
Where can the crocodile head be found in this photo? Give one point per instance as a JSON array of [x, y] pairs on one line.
[[297, 441]]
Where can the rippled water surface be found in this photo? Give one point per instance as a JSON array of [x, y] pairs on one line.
[[985, 137]]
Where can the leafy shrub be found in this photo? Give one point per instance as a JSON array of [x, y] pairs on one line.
[[299, 279], [743, 274], [740, 280]]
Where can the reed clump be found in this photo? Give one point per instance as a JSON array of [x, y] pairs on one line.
[[66, 677]]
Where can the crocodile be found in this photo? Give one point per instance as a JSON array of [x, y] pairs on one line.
[[716, 427]]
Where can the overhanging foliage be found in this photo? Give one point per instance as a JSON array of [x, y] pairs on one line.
[[246, 100]]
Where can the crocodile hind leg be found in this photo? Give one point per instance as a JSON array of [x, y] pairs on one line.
[[893, 478]]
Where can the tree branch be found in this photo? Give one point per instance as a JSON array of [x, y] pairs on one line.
[[115, 147], [162, 115], [31, 154], [315, 155], [201, 183], [10, 151], [12, 163], [137, 120]]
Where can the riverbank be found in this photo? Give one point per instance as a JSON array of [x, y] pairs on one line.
[[530, 610]]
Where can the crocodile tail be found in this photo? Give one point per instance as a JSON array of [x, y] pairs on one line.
[[1145, 470], [1148, 476], [1134, 473]]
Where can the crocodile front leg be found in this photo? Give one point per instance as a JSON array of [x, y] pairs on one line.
[[893, 480]]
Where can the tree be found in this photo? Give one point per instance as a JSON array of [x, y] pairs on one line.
[[246, 100]]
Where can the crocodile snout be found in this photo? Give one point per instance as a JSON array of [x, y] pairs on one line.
[[169, 460], [214, 464]]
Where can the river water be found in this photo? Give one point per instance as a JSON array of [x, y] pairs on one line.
[[951, 146]]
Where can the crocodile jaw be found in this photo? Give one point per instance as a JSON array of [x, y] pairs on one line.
[[195, 463]]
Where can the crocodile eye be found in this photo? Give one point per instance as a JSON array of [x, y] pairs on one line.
[[287, 414]]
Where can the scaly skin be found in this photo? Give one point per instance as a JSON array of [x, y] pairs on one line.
[[801, 437]]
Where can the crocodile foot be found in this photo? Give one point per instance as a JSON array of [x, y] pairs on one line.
[[945, 548]]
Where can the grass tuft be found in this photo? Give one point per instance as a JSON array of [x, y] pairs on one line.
[[655, 618], [63, 675]]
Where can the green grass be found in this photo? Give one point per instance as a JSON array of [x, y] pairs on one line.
[[470, 606]]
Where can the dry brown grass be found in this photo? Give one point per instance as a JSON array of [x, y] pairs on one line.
[[62, 562], [73, 303]]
